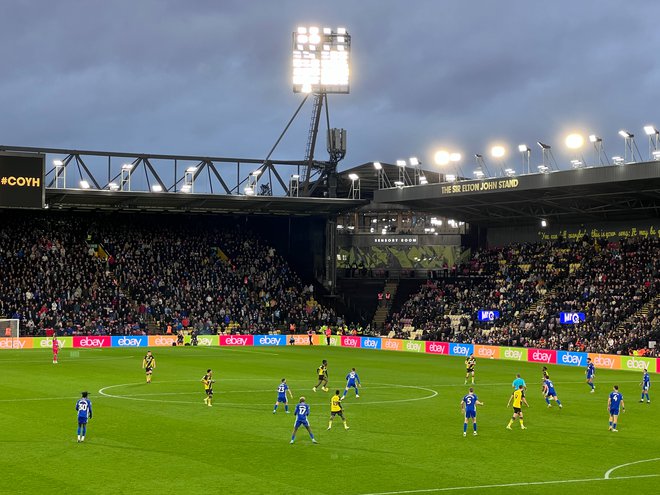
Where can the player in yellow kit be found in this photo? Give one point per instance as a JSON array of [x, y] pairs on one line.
[[336, 410], [518, 397], [208, 382]]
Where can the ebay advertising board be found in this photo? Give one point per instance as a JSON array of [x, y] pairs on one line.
[[437, 347], [545, 356], [236, 340]]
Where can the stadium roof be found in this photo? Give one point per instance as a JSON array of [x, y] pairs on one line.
[[582, 195], [208, 203]]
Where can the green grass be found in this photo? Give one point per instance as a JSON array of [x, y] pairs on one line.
[[403, 436]]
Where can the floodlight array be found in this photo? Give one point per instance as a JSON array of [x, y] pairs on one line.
[[321, 60]]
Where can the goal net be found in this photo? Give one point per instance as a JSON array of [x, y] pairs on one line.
[[10, 328]]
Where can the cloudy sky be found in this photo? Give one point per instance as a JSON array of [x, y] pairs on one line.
[[212, 77]]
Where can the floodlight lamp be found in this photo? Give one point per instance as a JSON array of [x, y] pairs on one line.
[[574, 141], [249, 191], [353, 177], [414, 161], [256, 173], [157, 188], [523, 148], [191, 170], [341, 30], [186, 188], [543, 145], [378, 166], [450, 178], [510, 172], [327, 31], [398, 183], [127, 166], [650, 130], [618, 160], [400, 163], [442, 157], [497, 151], [625, 134], [576, 163], [454, 157], [295, 176], [113, 186], [544, 223], [478, 156], [542, 168], [594, 139], [656, 155], [302, 30], [478, 173], [423, 181], [84, 184], [58, 163]]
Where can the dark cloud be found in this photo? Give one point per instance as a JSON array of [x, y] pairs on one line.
[[210, 77]]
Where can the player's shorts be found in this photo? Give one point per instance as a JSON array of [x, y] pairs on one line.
[[148, 370], [301, 423], [590, 377], [551, 393], [470, 414], [281, 398], [337, 413], [209, 391], [517, 410], [470, 370], [614, 412], [351, 385], [646, 388], [82, 421]]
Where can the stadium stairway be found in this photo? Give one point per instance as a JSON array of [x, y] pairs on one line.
[[383, 310]]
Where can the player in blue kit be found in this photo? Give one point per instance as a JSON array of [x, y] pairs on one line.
[[549, 393], [352, 381], [282, 390], [302, 412], [646, 384], [469, 405], [84, 408], [591, 371], [614, 402]]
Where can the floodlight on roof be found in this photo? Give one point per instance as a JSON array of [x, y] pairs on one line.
[[186, 188], [400, 163], [478, 156], [576, 163], [127, 166], [497, 151], [320, 60], [650, 130], [113, 186], [84, 184], [249, 191], [353, 176], [423, 180], [454, 157], [625, 134], [191, 170], [543, 145], [595, 139], [58, 163], [618, 160], [544, 223], [398, 183], [543, 169], [523, 148], [656, 155], [157, 188], [450, 178], [479, 174], [413, 161], [574, 141], [378, 166], [442, 157], [510, 172], [295, 176], [256, 173]]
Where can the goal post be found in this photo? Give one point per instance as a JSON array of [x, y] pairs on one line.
[[10, 328]]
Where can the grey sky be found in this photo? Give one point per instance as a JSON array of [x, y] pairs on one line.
[[212, 77]]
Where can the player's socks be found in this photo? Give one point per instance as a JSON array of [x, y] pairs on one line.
[[345, 426], [286, 407], [522, 425], [613, 426], [547, 401], [464, 428], [474, 426], [329, 425], [509, 425], [314, 389], [610, 425]]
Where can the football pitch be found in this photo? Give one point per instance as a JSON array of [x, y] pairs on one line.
[[405, 436]]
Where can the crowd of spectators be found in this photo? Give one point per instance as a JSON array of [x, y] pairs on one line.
[[81, 274], [530, 284]]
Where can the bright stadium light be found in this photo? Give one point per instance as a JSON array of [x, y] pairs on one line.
[[378, 166], [450, 178], [543, 146], [400, 163], [321, 60], [127, 166], [186, 188], [58, 163], [625, 134], [414, 161], [618, 160], [113, 186], [523, 148], [650, 130], [156, 188], [594, 139], [84, 184], [423, 180], [398, 183], [509, 172], [441, 157], [543, 169], [544, 223], [574, 141], [497, 151], [353, 176], [191, 170]]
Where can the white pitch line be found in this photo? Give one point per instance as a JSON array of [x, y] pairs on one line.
[[506, 485], [607, 474]]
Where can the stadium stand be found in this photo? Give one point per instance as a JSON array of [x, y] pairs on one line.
[[615, 284], [84, 274]]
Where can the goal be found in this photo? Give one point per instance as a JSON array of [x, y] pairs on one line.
[[10, 328]]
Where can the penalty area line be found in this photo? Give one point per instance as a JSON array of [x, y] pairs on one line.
[[505, 485]]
